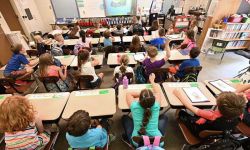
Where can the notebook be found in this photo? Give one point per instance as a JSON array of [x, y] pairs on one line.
[[184, 51], [195, 95], [222, 86]]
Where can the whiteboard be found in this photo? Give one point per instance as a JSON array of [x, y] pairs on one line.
[[65, 8], [91, 8], [145, 5]]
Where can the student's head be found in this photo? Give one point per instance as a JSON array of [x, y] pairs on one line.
[[82, 34], [194, 52], [74, 30], [146, 101], [124, 62], [16, 114], [58, 37], [155, 24], [65, 28], [119, 26], [190, 35], [135, 45], [83, 56], [97, 25], [230, 105], [18, 48], [107, 34], [78, 123], [193, 23], [45, 60], [135, 19], [152, 51], [161, 32]]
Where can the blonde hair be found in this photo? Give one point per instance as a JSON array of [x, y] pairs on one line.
[[152, 51], [45, 60], [16, 114], [124, 62]]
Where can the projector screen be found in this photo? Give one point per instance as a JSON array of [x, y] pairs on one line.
[[120, 7]]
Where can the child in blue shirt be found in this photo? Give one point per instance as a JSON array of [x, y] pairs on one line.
[[160, 41], [108, 39], [18, 66], [193, 62], [80, 135]]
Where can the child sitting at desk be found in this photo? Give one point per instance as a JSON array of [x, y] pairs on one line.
[[87, 64], [119, 30], [56, 49], [108, 38], [192, 62], [146, 118], [81, 135], [160, 41], [22, 127], [154, 27], [151, 63], [135, 45], [188, 43], [41, 44], [226, 117], [83, 42], [124, 68], [48, 68], [18, 66], [73, 33]]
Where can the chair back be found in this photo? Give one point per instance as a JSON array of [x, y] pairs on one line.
[[83, 81], [219, 46], [109, 49], [32, 53], [129, 75], [207, 133], [161, 74], [191, 74], [50, 79]]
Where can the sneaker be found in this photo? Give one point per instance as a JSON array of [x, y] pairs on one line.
[[111, 138]]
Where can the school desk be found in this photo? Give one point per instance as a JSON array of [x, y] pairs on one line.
[[175, 37], [74, 63], [49, 105], [70, 41], [98, 103], [232, 82], [3, 97], [147, 38], [122, 103], [66, 59], [176, 103], [113, 59], [117, 39]]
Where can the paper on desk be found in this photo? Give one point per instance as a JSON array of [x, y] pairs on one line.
[[139, 56], [222, 86], [195, 95], [47, 95], [91, 93], [179, 85], [140, 86]]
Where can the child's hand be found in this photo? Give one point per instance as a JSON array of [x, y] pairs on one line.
[[152, 78], [176, 92]]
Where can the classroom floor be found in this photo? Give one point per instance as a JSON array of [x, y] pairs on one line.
[[229, 68]]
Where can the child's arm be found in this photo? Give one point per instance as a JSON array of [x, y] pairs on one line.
[[130, 97], [95, 62], [33, 62], [167, 49], [39, 124], [63, 73], [185, 101], [242, 88], [90, 45], [156, 89]]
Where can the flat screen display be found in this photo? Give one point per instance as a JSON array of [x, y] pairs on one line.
[[120, 7]]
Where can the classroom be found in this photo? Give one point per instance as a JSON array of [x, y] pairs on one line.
[[125, 74]]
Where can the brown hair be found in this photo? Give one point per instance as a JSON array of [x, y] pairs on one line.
[[17, 48], [194, 52], [45, 60], [152, 51], [74, 31], [190, 35], [135, 44], [161, 32], [82, 34], [57, 35], [106, 34], [119, 26], [146, 100], [124, 62], [16, 114], [230, 105], [155, 24], [83, 56], [78, 123]]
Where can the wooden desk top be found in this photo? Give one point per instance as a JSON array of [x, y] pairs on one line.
[[175, 37], [122, 103], [175, 102], [3, 97], [66, 60], [49, 105], [95, 40], [174, 55], [147, 38], [99, 102], [112, 58], [233, 82], [99, 57], [117, 39], [70, 41]]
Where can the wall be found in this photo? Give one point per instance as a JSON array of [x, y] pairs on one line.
[[244, 8], [194, 3], [5, 52], [46, 12]]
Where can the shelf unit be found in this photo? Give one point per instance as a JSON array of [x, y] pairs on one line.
[[237, 35]]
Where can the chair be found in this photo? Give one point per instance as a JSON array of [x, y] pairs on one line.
[[161, 74], [52, 141], [32, 53], [83, 82], [50, 79], [129, 75], [218, 46], [243, 128], [191, 74]]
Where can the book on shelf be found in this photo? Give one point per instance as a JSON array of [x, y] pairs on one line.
[[236, 44]]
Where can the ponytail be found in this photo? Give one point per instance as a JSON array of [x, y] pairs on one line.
[[123, 69], [83, 35], [147, 116]]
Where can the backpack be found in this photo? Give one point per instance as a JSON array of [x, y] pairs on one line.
[[138, 29], [139, 75], [192, 77], [149, 146]]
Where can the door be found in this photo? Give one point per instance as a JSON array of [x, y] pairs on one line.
[[4, 25]]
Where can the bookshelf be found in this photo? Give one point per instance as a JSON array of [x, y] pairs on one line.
[[237, 35]]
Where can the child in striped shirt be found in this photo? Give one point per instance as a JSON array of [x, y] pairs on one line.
[[23, 130]]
